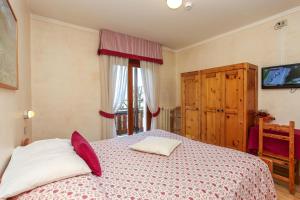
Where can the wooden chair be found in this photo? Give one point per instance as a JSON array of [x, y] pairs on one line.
[[271, 158]]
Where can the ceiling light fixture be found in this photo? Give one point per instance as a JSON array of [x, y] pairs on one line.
[[174, 4], [188, 5]]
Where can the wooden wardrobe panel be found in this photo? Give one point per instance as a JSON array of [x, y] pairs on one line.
[[212, 89], [212, 124], [192, 124], [233, 99], [233, 137], [211, 103], [232, 81], [190, 85]]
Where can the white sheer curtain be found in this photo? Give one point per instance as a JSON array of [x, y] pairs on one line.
[[113, 88], [150, 79]]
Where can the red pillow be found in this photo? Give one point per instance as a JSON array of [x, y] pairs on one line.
[[86, 152]]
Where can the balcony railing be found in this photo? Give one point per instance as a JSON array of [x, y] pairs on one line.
[[121, 120]]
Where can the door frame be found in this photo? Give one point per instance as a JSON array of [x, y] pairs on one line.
[[134, 64]]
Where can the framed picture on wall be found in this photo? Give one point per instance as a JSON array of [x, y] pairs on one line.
[[8, 47]]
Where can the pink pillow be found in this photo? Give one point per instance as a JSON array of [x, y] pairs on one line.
[[86, 152]]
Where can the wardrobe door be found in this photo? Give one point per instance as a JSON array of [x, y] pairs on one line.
[[233, 109], [190, 105], [211, 104]]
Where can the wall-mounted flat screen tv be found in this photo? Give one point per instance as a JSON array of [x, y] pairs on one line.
[[284, 76]]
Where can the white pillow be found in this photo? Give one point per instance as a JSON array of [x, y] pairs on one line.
[[40, 163], [156, 145]]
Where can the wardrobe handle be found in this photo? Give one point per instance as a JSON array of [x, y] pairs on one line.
[[218, 110], [222, 110]]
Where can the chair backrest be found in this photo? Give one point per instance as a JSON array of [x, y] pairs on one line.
[[273, 131]]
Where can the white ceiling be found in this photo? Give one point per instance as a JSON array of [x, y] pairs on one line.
[[153, 20]]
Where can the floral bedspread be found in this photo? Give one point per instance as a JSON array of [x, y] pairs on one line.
[[194, 171]]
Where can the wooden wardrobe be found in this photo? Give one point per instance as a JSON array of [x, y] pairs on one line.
[[219, 104]]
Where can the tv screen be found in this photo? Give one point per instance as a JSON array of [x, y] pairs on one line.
[[284, 76]]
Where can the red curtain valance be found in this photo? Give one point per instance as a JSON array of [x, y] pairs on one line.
[[122, 45]]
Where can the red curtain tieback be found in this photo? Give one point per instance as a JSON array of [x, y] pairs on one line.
[[156, 113], [106, 115]]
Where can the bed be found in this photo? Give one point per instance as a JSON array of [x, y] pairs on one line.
[[193, 171]]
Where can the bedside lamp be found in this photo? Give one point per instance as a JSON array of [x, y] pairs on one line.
[[28, 114]]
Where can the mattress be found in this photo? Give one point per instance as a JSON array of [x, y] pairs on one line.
[[194, 171]]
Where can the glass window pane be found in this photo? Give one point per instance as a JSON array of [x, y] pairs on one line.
[[138, 102]]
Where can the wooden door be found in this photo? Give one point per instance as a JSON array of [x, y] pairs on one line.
[[233, 109], [211, 104], [190, 105]]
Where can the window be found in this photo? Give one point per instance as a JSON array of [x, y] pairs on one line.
[[133, 114]]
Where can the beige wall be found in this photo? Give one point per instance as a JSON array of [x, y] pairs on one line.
[[167, 73], [14, 103], [65, 79], [260, 45]]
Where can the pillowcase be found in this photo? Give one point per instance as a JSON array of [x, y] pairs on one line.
[[40, 163], [156, 145], [86, 152]]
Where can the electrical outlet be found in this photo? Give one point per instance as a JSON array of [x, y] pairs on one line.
[[280, 24]]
